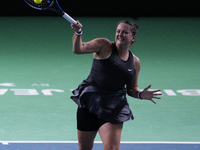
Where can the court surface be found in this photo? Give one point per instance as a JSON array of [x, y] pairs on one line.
[[38, 70]]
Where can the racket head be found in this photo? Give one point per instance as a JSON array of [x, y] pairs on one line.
[[44, 5], [50, 5]]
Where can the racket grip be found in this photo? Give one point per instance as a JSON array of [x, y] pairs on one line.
[[68, 18]]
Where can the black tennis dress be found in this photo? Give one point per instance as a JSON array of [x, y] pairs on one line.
[[104, 92]]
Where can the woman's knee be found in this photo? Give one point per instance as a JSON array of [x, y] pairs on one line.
[[111, 146], [83, 146]]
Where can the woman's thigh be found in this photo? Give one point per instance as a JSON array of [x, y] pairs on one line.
[[111, 135], [86, 139], [87, 127]]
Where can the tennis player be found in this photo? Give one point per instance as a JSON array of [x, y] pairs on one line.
[[101, 98]]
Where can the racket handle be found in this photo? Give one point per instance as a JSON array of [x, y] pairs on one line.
[[68, 18]]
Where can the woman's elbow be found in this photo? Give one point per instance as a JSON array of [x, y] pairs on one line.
[[76, 51]]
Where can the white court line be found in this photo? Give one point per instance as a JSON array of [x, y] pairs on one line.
[[123, 142], [158, 142]]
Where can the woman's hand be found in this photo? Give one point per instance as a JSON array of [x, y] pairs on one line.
[[148, 95], [76, 26]]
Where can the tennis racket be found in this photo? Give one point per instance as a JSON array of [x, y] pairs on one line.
[[51, 5]]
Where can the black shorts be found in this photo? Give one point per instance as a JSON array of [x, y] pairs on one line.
[[87, 121]]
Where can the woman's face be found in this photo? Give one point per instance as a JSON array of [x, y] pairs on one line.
[[124, 35]]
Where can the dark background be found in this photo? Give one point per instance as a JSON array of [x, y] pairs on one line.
[[109, 8]]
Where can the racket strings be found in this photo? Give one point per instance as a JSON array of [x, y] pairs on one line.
[[43, 4]]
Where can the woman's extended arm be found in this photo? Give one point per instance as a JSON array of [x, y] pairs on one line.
[[133, 89]]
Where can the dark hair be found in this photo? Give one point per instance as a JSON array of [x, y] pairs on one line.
[[134, 26]]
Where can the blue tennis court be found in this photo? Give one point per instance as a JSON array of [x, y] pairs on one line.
[[44, 145]]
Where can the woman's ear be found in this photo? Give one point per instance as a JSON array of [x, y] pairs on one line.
[[134, 37]]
